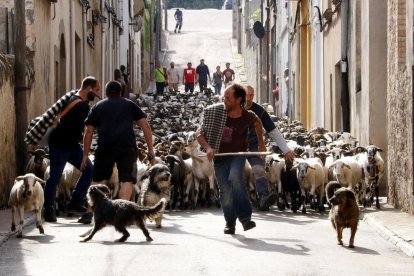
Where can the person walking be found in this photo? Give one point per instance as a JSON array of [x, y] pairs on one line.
[[189, 78], [173, 78], [217, 80], [160, 78], [265, 197], [224, 129], [229, 75], [120, 78], [178, 15], [64, 148], [113, 118], [202, 74]]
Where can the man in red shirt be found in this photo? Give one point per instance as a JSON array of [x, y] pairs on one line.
[[189, 78]]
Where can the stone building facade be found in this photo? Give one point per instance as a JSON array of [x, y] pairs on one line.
[[400, 104]]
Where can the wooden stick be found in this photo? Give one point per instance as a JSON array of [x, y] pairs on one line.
[[247, 153]]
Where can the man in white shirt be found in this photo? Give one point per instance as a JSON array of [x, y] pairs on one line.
[[173, 78]]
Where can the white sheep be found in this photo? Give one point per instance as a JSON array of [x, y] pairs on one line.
[[374, 169], [348, 172], [274, 166], [311, 178], [26, 195], [70, 176], [202, 169]]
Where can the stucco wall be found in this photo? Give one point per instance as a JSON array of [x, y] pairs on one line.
[[7, 144], [399, 109]]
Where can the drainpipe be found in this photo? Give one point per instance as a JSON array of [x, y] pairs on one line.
[[268, 47], [104, 63], [72, 43], [344, 67], [84, 40]]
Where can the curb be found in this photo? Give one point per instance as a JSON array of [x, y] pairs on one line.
[[388, 235], [4, 236]]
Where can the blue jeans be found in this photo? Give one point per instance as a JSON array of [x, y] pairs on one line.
[[258, 168], [217, 88], [234, 197], [58, 158]]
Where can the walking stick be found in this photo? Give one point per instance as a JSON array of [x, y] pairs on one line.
[[247, 153]]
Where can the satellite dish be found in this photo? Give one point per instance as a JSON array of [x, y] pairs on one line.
[[136, 23], [258, 29]]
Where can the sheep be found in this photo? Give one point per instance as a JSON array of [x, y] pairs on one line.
[[70, 176], [374, 169], [311, 179], [26, 195], [274, 166], [202, 169], [38, 162], [290, 185], [348, 172]]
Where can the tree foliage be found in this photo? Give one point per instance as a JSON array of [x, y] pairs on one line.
[[195, 5]]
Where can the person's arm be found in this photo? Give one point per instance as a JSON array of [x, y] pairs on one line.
[[143, 123], [259, 132], [205, 145], [87, 141]]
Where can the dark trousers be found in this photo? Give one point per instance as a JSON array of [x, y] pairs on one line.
[[58, 158], [189, 87], [202, 84], [160, 87]]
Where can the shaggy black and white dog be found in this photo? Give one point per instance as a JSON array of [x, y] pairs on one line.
[[119, 213], [156, 185]]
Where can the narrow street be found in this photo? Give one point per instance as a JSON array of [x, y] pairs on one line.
[[192, 242]]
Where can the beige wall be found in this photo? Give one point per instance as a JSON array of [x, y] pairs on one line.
[[332, 77], [400, 106], [8, 137]]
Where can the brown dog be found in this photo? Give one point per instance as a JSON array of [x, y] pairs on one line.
[[344, 212], [119, 213]]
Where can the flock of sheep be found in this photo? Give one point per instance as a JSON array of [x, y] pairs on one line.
[[322, 156]]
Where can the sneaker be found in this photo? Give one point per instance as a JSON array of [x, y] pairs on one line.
[[179, 31], [266, 200], [86, 218], [175, 31], [49, 216], [248, 224], [75, 207], [230, 228]]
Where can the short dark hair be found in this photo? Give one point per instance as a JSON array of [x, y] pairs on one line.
[[89, 81], [122, 67], [113, 88], [239, 92]]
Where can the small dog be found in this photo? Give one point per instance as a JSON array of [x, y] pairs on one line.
[[156, 185], [344, 212], [119, 213]]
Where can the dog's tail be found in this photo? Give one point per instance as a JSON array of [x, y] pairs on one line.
[[330, 189], [153, 212]]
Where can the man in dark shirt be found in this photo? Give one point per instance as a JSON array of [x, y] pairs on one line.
[[178, 15], [64, 147], [225, 131], [265, 198], [202, 74], [114, 119], [229, 75]]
